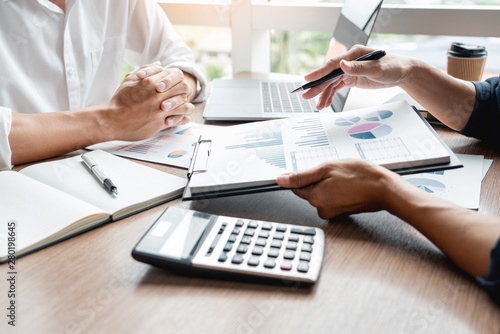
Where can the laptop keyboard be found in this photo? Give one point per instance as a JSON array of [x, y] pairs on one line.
[[276, 98]]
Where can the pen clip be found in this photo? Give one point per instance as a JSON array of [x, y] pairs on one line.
[[192, 164]]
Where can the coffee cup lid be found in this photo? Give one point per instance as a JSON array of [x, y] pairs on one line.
[[467, 50]]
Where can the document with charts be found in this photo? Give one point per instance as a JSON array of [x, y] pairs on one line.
[[172, 146], [248, 157]]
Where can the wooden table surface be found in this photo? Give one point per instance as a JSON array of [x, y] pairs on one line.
[[379, 276]]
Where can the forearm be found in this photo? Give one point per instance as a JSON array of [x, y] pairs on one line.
[[465, 236], [448, 99], [40, 136]]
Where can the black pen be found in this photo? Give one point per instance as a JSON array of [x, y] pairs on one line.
[[103, 179], [369, 56]]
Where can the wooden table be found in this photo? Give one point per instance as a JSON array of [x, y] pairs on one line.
[[379, 276]]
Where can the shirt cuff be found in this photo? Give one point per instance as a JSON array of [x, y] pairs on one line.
[[5, 152], [201, 81], [492, 282]]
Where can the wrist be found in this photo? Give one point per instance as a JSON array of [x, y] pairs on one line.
[[413, 69], [101, 117]]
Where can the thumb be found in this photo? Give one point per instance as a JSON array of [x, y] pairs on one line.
[[299, 180], [353, 67]]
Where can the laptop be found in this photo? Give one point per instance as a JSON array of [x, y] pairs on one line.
[[257, 99]]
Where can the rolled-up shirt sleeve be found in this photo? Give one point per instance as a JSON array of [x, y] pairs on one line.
[[5, 153], [492, 282], [484, 122]]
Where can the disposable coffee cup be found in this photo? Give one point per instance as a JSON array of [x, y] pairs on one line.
[[466, 61]]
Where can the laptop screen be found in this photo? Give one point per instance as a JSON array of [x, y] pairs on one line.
[[354, 26]]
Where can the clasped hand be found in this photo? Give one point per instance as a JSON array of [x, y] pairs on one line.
[[150, 99]]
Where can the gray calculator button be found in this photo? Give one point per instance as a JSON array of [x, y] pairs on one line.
[[273, 252], [239, 223], [291, 245], [305, 231], [293, 237], [232, 238], [258, 250], [246, 239], [253, 261], [253, 224], [237, 259], [242, 249], [223, 257], [250, 231], [279, 235], [267, 226], [264, 234], [281, 228], [228, 246], [308, 239], [276, 243], [260, 242], [289, 254], [270, 263], [303, 267], [236, 230], [304, 256], [307, 248]]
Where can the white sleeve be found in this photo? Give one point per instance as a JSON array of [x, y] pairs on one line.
[[152, 37], [5, 153]]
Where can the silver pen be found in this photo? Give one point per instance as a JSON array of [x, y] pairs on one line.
[[103, 179]]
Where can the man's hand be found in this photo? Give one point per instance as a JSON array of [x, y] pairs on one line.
[[343, 186], [150, 99]]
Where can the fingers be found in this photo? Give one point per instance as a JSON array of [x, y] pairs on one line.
[[301, 179]]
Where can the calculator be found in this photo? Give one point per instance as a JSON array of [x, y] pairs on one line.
[[203, 243]]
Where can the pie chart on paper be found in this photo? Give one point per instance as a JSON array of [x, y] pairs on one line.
[[177, 154], [377, 116], [346, 121], [428, 185], [370, 131]]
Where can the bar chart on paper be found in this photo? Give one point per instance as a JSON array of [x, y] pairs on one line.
[[170, 147]]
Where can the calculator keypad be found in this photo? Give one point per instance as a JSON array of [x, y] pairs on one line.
[[263, 248]]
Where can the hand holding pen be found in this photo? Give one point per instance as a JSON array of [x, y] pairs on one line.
[[338, 72]]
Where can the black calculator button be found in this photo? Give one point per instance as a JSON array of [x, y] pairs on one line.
[[260, 242], [267, 226], [258, 250], [228, 246], [246, 239], [307, 248], [273, 252], [239, 223], [303, 267], [276, 243], [253, 261], [305, 231], [232, 238], [279, 235], [270, 263], [304, 256], [253, 224], [291, 245], [250, 231], [293, 237], [237, 259], [281, 228], [236, 230], [308, 239], [242, 249], [223, 257], [289, 254], [286, 265], [264, 234]]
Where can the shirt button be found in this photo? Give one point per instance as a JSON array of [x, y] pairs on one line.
[[71, 71]]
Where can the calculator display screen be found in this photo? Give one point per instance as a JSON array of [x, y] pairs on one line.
[[182, 233]]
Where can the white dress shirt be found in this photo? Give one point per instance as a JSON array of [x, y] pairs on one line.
[[52, 61]]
